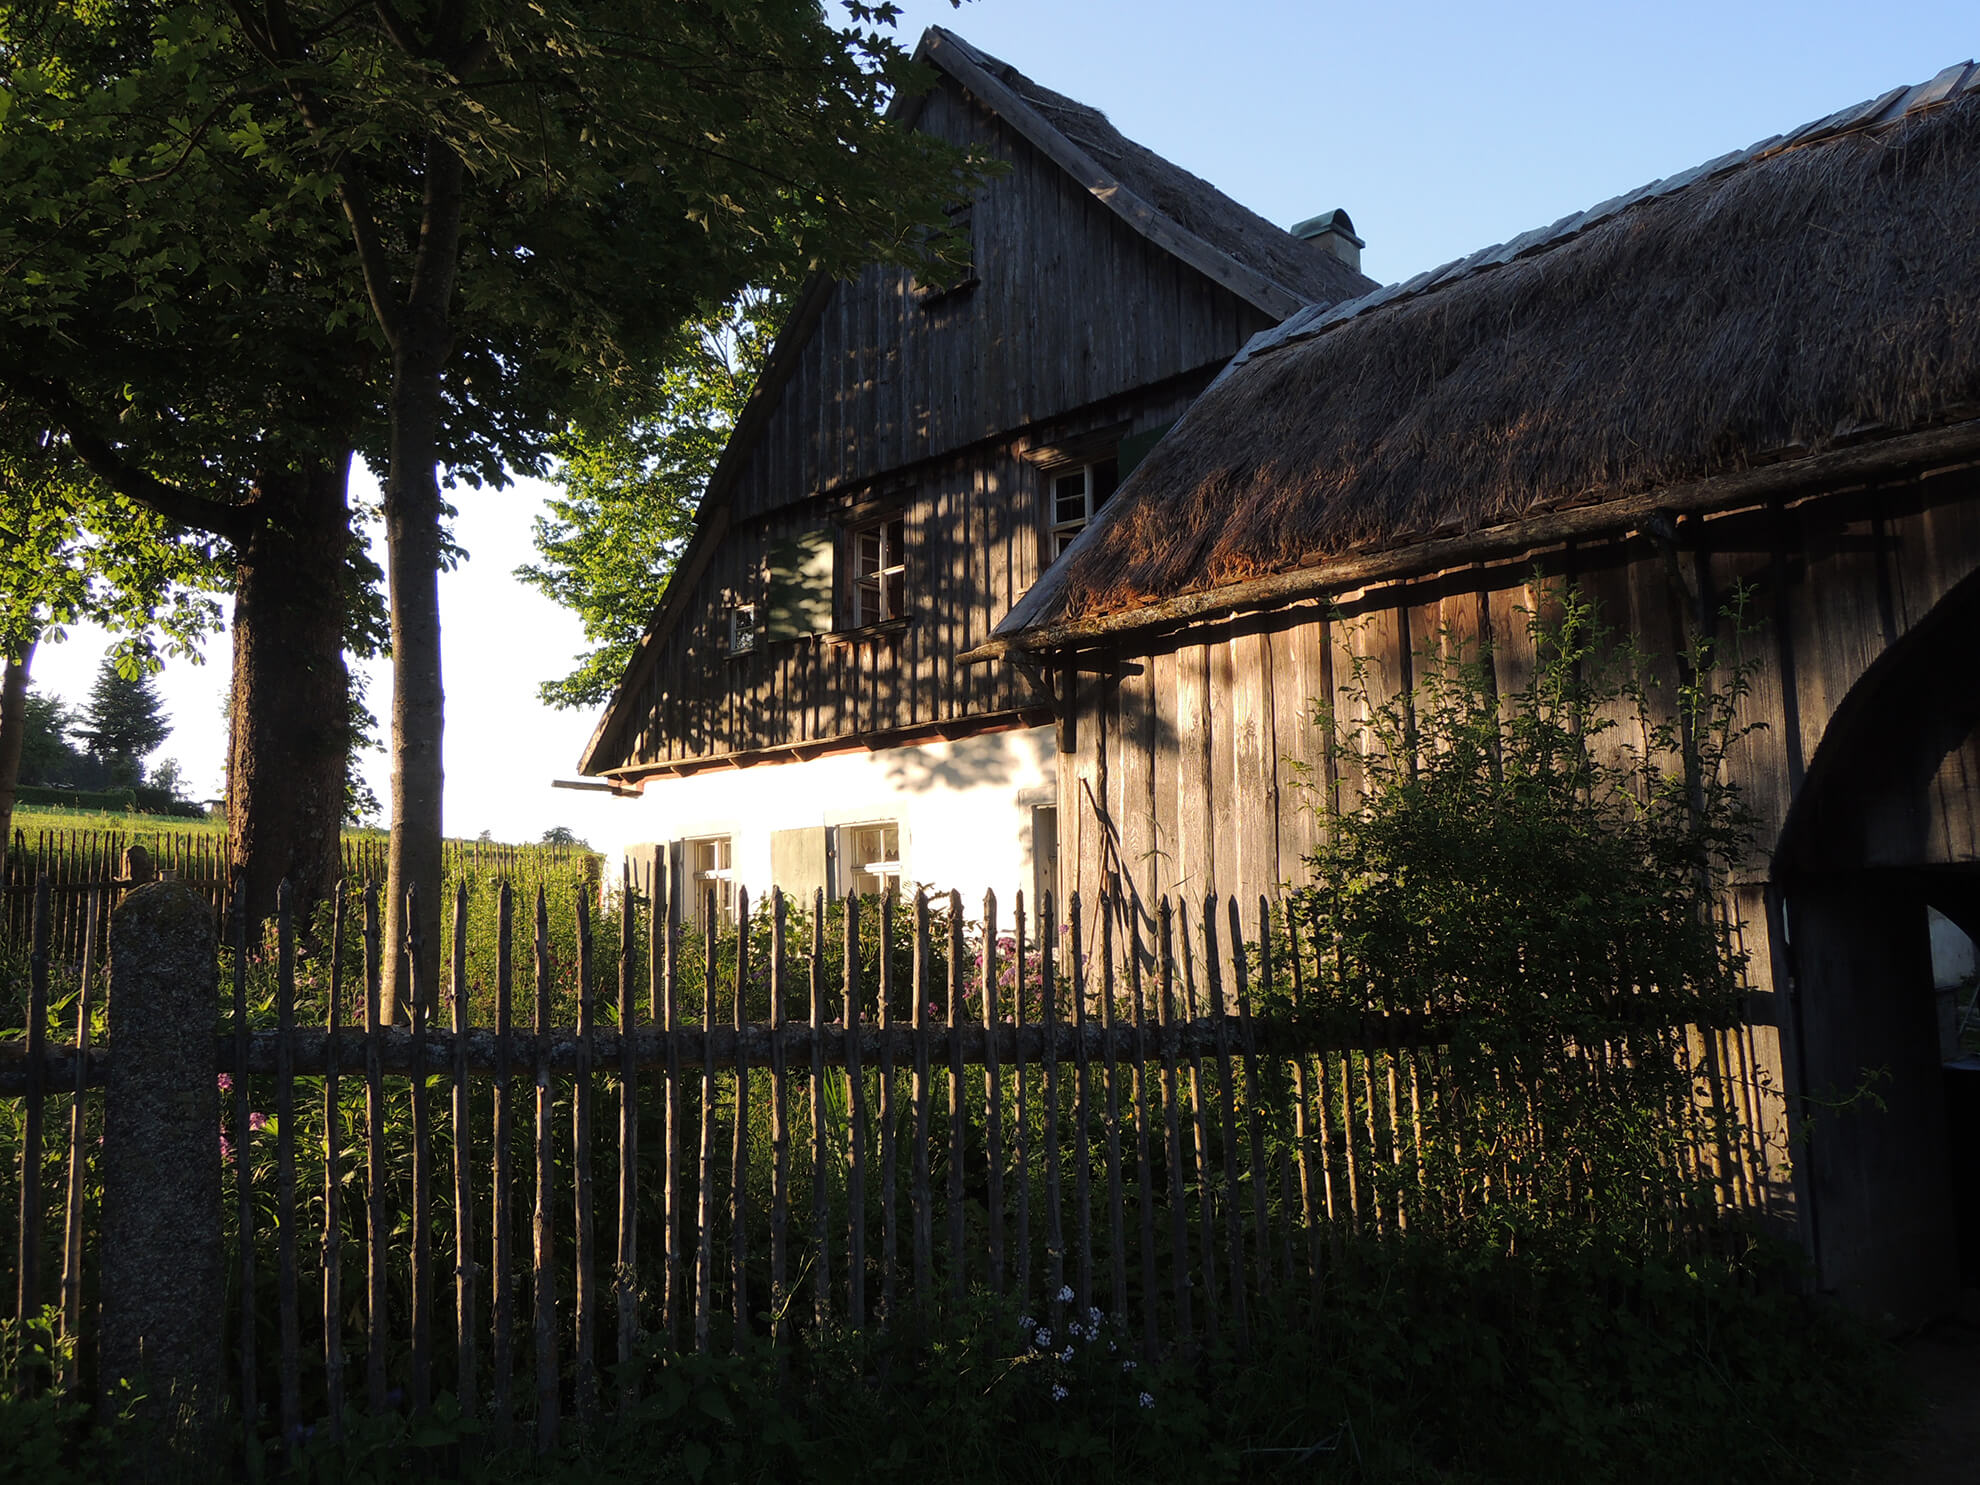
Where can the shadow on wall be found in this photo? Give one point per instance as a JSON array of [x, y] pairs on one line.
[[997, 759]]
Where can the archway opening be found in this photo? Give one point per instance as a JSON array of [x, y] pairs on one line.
[[1878, 880]]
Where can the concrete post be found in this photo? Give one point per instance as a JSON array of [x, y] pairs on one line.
[[162, 1278]]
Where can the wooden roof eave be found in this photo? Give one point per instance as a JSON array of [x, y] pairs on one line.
[[711, 517], [1947, 446]]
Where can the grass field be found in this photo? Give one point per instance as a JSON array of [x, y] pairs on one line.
[[29, 818]]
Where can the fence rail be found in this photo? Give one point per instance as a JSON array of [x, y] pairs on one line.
[[1101, 1120]]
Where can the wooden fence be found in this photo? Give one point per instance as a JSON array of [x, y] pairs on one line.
[[77, 862], [1080, 1120]]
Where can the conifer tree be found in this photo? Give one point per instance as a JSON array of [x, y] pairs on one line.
[[123, 720]]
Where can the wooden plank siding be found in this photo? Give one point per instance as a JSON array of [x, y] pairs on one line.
[[1209, 734], [939, 405], [1226, 758]]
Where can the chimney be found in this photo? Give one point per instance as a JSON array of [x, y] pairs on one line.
[[1333, 231]]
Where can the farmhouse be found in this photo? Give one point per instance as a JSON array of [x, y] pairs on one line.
[[1760, 376], [914, 457]]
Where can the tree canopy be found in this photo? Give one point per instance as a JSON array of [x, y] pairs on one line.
[[631, 490], [440, 232]]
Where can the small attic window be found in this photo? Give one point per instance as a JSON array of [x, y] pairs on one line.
[[742, 629], [1078, 492], [959, 260]]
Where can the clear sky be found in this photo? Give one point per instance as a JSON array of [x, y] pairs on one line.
[[1440, 127]]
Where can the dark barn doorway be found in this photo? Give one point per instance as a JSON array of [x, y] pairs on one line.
[[1877, 886]]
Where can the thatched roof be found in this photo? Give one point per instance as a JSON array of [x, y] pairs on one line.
[[1124, 175], [1817, 289]]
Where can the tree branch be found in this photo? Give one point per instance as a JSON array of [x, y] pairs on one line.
[[275, 38], [102, 459]]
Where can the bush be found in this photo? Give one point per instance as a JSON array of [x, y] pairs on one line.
[[1538, 874], [1429, 1367]]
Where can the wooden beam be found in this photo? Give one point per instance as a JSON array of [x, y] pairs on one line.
[[871, 743]]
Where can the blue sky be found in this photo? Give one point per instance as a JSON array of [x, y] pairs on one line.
[[1441, 128]]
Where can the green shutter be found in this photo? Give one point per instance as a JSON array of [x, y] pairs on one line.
[[798, 862], [800, 600], [1135, 447]]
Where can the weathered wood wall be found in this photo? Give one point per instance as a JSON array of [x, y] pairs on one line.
[[1072, 308], [1077, 325], [1196, 766]]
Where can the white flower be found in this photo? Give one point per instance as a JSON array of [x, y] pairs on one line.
[[1128, 1365], [1066, 1355], [1065, 1294], [1059, 1394], [1093, 1318], [1072, 1329], [1148, 1399], [1025, 1322], [1043, 1339]]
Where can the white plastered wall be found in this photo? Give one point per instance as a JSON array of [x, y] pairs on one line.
[[965, 809]]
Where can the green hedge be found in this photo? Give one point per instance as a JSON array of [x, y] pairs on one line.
[[143, 799]]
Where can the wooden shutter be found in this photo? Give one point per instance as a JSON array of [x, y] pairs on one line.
[[800, 600], [799, 862]]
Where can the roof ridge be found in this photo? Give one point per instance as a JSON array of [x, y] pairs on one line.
[[1958, 80]]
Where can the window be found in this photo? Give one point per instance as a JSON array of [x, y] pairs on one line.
[[1078, 492], [705, 868], [869, 858], [957, 269], [879, 571], [742, 629]]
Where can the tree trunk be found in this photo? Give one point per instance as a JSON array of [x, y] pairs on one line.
[[412, 527], [421, 348], [289, 738], [13, 737]]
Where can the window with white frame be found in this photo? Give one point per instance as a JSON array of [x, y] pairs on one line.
[[869, 858], [1078, 492], [742, 629], [707, 866], [879, 571]]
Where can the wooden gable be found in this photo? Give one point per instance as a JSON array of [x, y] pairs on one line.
[[938, 405]]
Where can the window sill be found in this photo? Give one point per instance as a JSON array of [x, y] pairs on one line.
[[885, 629]]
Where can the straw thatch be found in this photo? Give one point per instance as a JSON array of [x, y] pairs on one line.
[[1808, 298]]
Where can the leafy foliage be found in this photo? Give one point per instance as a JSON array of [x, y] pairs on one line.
[[1537, 875], [610, 541]]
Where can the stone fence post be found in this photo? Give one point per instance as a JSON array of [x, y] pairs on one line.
[[162, 1269]]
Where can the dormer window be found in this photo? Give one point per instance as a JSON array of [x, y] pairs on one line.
[[879, 571], [1078, 492]]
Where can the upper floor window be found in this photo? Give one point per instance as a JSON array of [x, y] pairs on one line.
[[742, 629], [1078, 492], [879, 571]]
